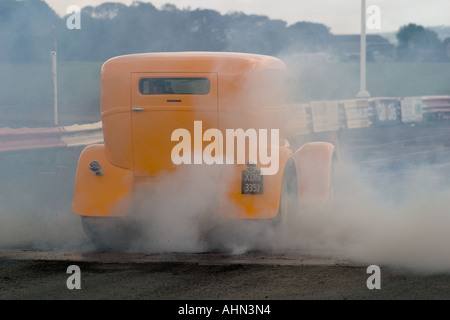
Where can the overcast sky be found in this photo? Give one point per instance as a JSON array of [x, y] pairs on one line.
[[342, 16]]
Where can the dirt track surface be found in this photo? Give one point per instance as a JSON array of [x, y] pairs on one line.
[[403, 228], [43, 275]]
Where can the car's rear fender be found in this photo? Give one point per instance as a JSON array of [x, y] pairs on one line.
[[313, 163], [104, 194]]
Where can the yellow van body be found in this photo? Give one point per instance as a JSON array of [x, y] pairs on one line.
[[218, 90]]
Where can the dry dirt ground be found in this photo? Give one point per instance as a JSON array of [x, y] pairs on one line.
[[31, 275]]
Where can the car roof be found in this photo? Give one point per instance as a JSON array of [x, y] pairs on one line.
[[194, 62]]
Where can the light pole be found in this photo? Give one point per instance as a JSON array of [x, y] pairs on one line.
[[363, 93], [55, 88], [55, 79]]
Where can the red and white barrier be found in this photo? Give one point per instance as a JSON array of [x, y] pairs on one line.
[[437, 106], [315, 116], [43, 138]]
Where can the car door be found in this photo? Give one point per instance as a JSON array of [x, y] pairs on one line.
[[162, 103]]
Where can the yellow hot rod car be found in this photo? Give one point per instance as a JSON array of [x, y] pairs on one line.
[[164, 112]]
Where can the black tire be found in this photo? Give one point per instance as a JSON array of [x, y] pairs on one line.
[[109, 233], [288, 209], [332, 189]]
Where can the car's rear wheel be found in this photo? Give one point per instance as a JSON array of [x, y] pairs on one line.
[[289, 207], [332, 189], [109, 233]]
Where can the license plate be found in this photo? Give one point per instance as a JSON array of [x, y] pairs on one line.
[[252, 181]]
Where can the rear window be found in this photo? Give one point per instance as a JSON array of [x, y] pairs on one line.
[[174, 86]]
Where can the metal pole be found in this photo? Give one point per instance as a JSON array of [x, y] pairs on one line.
[[363, 93], [55, 89]]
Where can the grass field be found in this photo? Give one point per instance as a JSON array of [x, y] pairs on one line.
[[26, 94], [332, 81], [26, 91]]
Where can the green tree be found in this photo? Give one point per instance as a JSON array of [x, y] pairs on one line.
[[308, 37], [26, 31], [446, 48], [416, 43], [254, 33]]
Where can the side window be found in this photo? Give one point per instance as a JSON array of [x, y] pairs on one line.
[[152, 86]]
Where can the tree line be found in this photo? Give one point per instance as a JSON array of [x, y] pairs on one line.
[[30, 29]]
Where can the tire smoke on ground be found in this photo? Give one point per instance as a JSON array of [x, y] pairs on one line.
[[385, 212]]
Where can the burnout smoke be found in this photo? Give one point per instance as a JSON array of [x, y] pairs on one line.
[[384, 213], [35, 196], [410, 233], [176, 213], [368, 225]]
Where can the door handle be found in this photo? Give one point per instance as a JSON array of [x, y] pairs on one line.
[[136, 109]]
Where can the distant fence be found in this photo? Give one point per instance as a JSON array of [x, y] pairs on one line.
[[333, 115]]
